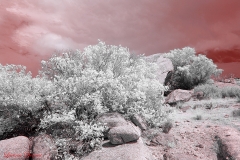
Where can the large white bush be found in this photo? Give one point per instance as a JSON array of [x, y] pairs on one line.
[[106, 78]]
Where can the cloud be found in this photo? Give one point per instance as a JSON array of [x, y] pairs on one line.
[[36, 28]]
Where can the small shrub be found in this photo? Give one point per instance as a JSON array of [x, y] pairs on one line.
[[16, 121], [198, 117], [230, 92], [209, 91], [167, 126], [197, 106], [236, 113], [208, 106], [179, 105]]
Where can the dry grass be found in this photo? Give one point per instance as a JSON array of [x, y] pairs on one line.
[[221, 112]]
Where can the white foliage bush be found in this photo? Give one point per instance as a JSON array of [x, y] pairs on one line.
[[106, 78], [103, 78], [18, 88], [190, 69]]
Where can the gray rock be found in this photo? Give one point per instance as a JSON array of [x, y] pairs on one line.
[[112, 119], [17, 148], [124, 134], [164, 65], [138, 121]]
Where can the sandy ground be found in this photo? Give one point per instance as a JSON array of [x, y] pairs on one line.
[[191, 139]]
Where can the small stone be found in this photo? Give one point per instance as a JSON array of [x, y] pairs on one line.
[[199, 146], [226, 116]]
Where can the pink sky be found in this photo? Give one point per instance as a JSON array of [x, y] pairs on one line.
[[31, 30]]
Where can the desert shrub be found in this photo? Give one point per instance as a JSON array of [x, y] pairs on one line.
[[103, 78], [58, 124], [198, 117], [190, 69], [18, 88], [106, 78], [209, 91], [21, 97], [167, 126], [236, 113], [230, 92], [212, 91], [16, 120]]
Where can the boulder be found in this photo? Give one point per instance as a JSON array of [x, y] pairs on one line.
[[17, 148], [124, 134], [128, 151], [43, 148], [112, 119], [165, 65], [138, 121], [179, 95]]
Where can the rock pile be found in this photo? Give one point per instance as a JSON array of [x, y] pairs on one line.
[[122, 133]]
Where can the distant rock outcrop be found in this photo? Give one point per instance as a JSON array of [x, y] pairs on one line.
[[165, 65]]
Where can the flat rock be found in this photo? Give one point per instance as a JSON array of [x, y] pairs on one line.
[[129, 151], [179, 95], [15, 148]]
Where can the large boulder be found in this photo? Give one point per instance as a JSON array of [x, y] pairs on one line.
[[179, 95], [17, 148], [128, 151], [124, 134], [165, 66], [43, 147]]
